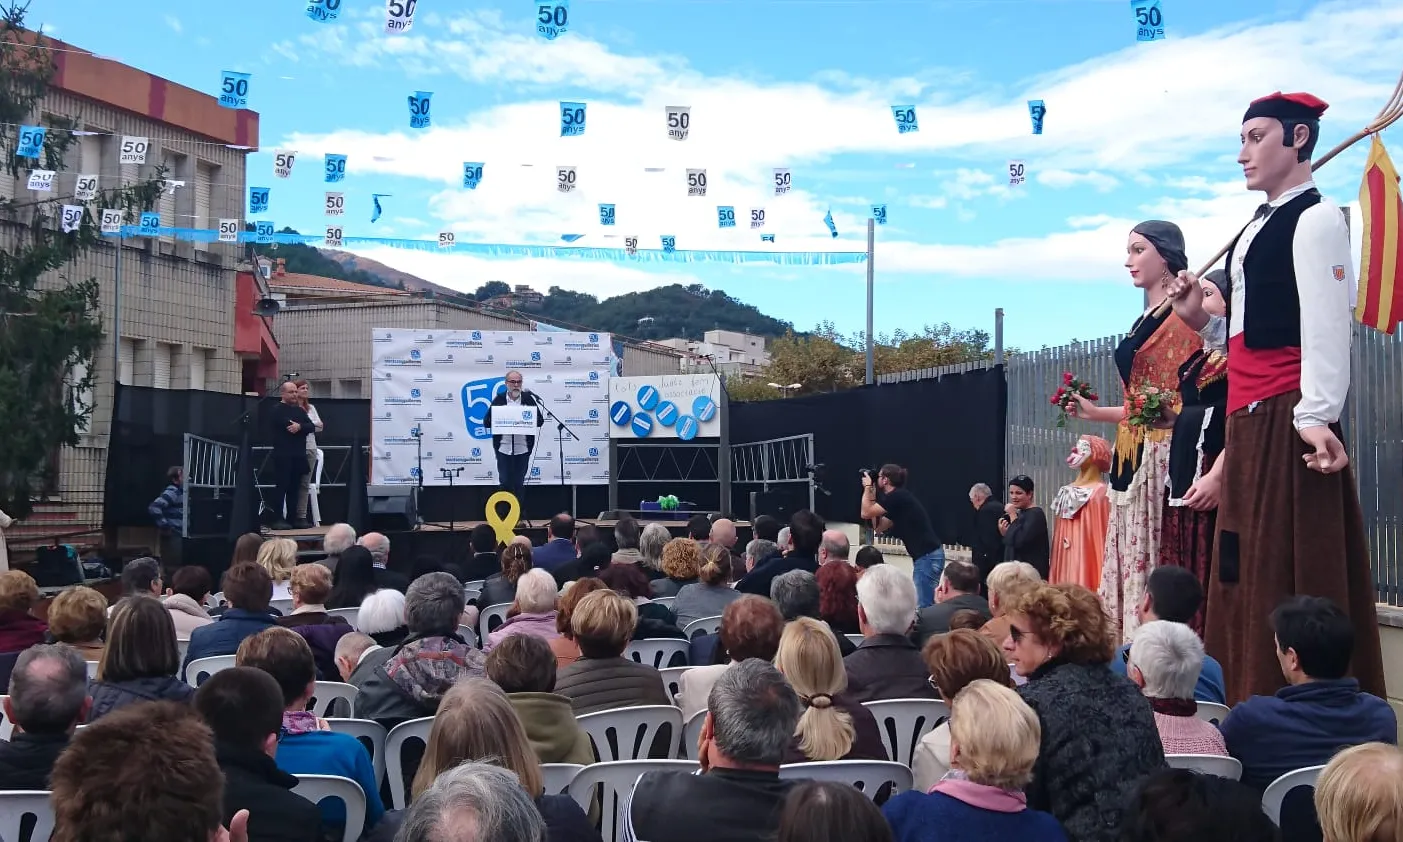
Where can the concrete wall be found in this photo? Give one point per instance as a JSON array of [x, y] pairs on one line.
[[177, 299]]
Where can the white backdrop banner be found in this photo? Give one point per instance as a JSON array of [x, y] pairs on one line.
[[665, 406], [442, 383]]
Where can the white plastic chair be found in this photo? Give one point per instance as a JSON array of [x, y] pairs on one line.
[[1212, 712], [365, 729], [557, 776], [854, 639], [314, 489], [665, 601], [283, 605], [394, 746], [471, 594], [475, 584], [1208, 764], [701, 626], [691, 733], [672, 681], [92, 670], [496, 612], [350, 615], [659, 652], [328, 692], [7, 728], [214, 600], [903, 722], [469, 636], [632, 730], [206, 667], [17, 804], [1278, 789], [318, 788], [617, 780], [869, 776]]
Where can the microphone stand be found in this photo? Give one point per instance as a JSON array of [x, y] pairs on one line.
[[560, 430], [418, 433], [449, 474]]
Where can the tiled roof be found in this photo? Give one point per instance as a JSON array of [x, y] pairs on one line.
[[293, 283]]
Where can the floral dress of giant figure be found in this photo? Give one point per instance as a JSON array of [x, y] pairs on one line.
[[1081, 514], [1148, 358]]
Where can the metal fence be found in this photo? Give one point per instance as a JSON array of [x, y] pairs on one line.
[[783, 461], [1373, 423], [210, 470]]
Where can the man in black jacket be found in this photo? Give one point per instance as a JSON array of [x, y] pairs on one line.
[[48, 698], [750, 720], [514, 451], [244, 708], [988, 547], [806, 534], [289, 428]]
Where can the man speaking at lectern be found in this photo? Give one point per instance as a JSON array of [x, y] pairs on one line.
[[514, 451]]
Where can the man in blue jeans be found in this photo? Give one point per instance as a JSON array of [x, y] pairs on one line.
[[898, 513]]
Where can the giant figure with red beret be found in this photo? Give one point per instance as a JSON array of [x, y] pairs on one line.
[[1289, 521]]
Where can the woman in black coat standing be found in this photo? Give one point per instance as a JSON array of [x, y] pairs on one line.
[[1099, 738]]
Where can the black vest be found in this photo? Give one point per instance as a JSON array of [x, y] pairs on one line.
[[1272, 315]]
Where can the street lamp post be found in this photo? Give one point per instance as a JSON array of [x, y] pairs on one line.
[[785, 390]]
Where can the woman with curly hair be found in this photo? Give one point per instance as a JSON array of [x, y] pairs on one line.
[[501, 587], [681, 564], [837, 597], [1099, 738]]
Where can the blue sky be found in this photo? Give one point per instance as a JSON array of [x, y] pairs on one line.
[[1133, 131]]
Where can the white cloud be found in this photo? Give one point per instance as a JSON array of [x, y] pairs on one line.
[[1062, 179], [174, 23]]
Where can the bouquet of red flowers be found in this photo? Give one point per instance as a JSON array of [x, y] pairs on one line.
[[1146, 406], [1062, 398]]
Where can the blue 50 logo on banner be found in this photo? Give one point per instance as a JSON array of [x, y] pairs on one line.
[[477, 404]]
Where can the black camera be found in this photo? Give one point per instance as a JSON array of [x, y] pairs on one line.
[[870, 473]]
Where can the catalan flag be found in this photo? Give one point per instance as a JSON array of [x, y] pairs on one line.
[[1380, 303]]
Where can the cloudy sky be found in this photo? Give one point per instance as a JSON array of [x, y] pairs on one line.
[[1133, 131]]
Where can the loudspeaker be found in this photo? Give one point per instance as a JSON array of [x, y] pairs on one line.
[[779, 503], [391, 508], [267, 307], [209, 516], [56, 567]]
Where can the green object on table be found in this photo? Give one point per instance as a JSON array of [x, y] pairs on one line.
[[668, 502]]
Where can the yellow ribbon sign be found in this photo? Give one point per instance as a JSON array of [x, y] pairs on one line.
[[504, 526]]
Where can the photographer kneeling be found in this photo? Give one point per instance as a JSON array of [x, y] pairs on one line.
[[897, 512]]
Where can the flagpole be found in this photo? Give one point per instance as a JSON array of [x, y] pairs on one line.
[[871, 239]]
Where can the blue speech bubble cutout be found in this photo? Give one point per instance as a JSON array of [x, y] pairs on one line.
[[620, 414], [704, 408], [647, 397], [667, 413], [642, 425]]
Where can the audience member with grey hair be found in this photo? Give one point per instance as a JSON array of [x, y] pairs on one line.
[[381, 616], [650, 544], [1165, 659], [339, 538], [784, 540], [408, 681], [751, 715], [48, 698], [759, 551], [473, 802], [834, 547], [988, 547], [141, 576], [887, 665], [534, 607], [796, 594], [351, 652], [627, 535]]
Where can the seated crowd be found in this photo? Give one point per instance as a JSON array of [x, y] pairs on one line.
[[1043, 727]]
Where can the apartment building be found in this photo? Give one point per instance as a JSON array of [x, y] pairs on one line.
[[732, 352], [324, 330], [176, 311]]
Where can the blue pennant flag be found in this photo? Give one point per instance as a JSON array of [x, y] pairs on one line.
[[324, 11], [258, 200], [828, 220], [767, 238], [419, 109], [376, 197], [335, 168], [151, 224], [726, 216], [905, 118], [31, 141], [233, 90], [552, 19], [669, 244], [570, 238], [1149, 20], [572, 119], [606, 214], [263, 232], [1037, 111], [879, 214], [472, 174]]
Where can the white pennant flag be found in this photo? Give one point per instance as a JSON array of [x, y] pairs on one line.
[[679, 121], [781, 181], [85, 187], [72, 218], [565, 179], [757, 217], [399, 16], [111, 221], [282, 163], [447, 239], [133, 149], [696, 182], [333, 236], [228, 230], [631, 245], [171, 186], [41, 180], [1017, 173], [335, 203]]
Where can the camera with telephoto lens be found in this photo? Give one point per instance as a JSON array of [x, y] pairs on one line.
[[870, 473]]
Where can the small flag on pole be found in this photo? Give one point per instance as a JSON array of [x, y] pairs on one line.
[[376, 197], [828, 220], [1380, 302]]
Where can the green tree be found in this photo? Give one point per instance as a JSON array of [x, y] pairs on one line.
[[492, 289], [49, 322], [818, 362]]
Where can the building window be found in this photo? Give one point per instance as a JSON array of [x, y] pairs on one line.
[[204, 177], [126, 373], [349, 389], [199, 366], [161, 365], [175, 165]]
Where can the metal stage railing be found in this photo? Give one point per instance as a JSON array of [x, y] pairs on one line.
[[211, 468], [783, 461], [763, 464]]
